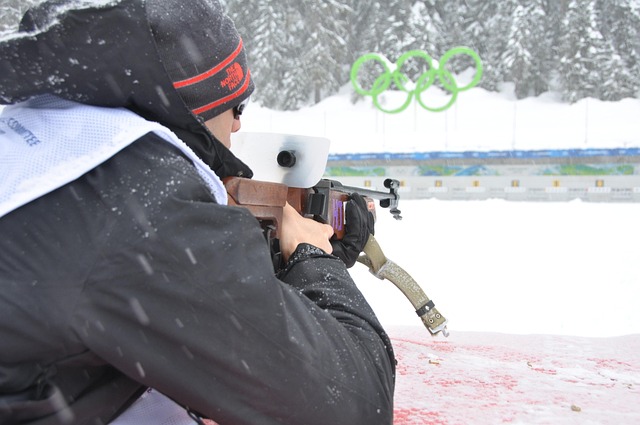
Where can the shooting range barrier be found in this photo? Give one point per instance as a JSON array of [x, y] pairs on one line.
[[602, 175]]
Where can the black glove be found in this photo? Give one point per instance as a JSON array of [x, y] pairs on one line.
[[359, 225]]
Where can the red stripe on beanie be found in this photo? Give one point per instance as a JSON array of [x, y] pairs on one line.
[[225, 99], [212, 71]]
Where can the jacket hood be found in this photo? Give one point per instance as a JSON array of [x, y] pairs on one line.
[[103, 53]]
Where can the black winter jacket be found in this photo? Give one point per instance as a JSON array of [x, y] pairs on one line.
[[133, 277], [133, 270]]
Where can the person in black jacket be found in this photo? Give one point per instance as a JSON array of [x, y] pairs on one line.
[[124, 277]]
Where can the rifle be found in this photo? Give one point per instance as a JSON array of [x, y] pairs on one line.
[[325, 202]]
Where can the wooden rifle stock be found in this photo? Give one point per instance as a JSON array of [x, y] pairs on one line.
[[265, 200], [323, 202]]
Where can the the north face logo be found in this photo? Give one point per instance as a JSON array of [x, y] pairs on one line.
[[235, 74]]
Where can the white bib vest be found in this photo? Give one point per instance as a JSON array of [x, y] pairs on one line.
[[47, 142]]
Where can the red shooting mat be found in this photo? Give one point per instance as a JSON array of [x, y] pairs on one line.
[[491, 378]]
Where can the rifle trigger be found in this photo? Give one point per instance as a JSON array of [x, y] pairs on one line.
[[316, 204]]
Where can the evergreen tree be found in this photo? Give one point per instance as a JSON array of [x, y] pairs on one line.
[[365, 22], [620, 25], [475, 36], [426, 30], [297, 48], [525, 59], [325, 54], [555, 11], [579, 38], [589, 66], [494, 23], [394, 27], [454, 15]]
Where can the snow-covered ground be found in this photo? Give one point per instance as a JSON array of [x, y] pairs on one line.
[[496, 266], [515, 267]]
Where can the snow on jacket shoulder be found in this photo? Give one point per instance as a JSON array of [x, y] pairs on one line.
[[132, 276]]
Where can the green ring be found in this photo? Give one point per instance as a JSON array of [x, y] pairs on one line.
[[404, 106], [424, 82], [454, 96], [464, 51], [356, 68], [400, 62]]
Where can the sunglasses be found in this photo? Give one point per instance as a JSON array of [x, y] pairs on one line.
[[239, 109]]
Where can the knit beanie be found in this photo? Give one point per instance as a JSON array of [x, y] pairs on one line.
[[202, 53]]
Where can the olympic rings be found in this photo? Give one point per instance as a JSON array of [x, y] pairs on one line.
[[393, 74]]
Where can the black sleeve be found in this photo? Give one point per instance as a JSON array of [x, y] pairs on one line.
[[183, 299]]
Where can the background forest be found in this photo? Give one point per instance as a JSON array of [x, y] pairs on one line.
[[301, 51]]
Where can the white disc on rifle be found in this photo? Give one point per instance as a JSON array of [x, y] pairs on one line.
[[297, 161]]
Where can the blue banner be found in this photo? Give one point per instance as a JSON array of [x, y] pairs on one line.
[[516, 154]]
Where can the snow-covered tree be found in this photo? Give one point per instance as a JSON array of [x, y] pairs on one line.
[[580, 35], [589, 65], [620, 25], [394, 27], [324, 51], [493, 23], [426, 30], [363, 17], [525, 59], [297, 48]]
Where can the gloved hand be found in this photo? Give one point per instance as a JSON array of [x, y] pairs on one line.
[[359, 224]]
